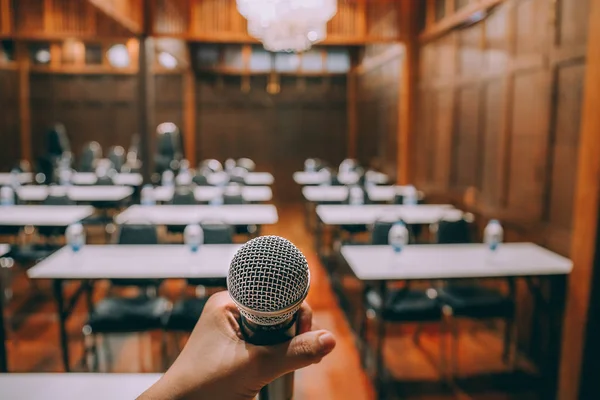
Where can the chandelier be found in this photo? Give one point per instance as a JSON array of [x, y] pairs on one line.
[[288, 25]]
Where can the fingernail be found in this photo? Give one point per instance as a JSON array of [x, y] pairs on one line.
[[327, 342]]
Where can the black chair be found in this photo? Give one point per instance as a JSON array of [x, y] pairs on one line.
[[474, 301], [169, 151], [183, 195], [400, 305], [91, 153], [187, 311], [114, 314], [55, 200], [237, 199], [200, 180], [247, 164], [116, 155], [354, 229]]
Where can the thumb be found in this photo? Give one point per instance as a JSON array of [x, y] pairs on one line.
[[302, 351]]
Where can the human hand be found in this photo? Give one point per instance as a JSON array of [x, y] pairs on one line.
[[216, 363]]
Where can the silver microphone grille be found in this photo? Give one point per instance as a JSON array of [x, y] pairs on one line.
[[268, 280]]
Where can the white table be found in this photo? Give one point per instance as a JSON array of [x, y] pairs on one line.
[[259, 179], [24, 178], [124, 178], [4, 248], [75, 386], [136, 262], [76, 193], [95, 262], [369, 213], [453, 261], [325, 194], [246, 214], [251, 194], [43, 215], [386, 193], [311, 178]]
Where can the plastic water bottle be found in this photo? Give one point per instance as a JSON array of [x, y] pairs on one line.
[[184, 178], [410, 196], [75, 237], [147, 196], [15, 182], [398, 236], [217, 200], [310, 165], [229, 165], [168, 178], [493, 235], [64, 177], [193, 236], [356, 196], [7, 196]]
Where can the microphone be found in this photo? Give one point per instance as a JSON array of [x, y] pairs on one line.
[[268, 280]]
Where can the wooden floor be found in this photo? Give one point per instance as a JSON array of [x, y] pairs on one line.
[[33, 344]]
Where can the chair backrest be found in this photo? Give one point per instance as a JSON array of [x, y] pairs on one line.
[[183, 196], [116, 155], [217, 233], [137, 234], [366, 199], [380, 232], [247, 164], [200, 180], [450, 232], [398, 199], [54, 200], [104, 181], [233, 199], [91, 152]]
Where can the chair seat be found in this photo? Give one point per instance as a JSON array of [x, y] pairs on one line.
[[406, 305], [185, 314], [137, 314], [352, 229], [31, 252], [476, 301]]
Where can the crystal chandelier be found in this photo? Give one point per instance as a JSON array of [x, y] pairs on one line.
[[288, 25]]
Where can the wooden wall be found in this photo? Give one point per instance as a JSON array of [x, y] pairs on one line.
[[100, 107], [378, 105], [278, 131], [9, 118], [499, 115]]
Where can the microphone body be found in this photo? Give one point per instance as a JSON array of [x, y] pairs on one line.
[[268, 280]]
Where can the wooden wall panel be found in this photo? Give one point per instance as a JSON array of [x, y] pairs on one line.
[[529, 137], [378, 106], [441, 130], [277, 131], [169, 101], [92, 107], [466, 151], [9, 119], [491, 149], [565, 145]]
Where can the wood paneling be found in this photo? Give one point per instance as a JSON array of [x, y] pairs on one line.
[[278, 131], [516, 85], [92, 107], [219, 21], [505, 95], [378, 106], [66, 18], [9, 119]]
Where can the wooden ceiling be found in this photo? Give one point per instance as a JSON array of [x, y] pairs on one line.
[[355, 23]]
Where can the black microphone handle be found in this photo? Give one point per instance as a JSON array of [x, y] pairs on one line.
[[281, 388]]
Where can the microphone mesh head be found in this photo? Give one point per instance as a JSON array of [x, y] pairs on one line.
[[268, 280]]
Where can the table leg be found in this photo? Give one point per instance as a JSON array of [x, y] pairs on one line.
[[379, 362], [556, 307], [3, 352], [62, 320]]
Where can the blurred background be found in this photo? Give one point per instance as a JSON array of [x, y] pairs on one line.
[[484, 105]]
